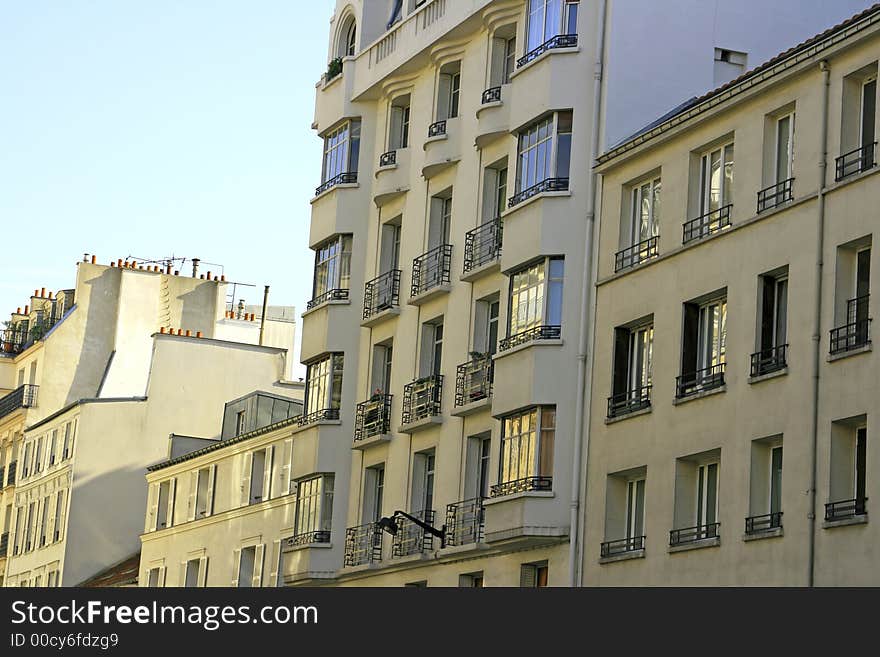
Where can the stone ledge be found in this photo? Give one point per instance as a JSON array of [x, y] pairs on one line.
[[627, 416], [715, 541], [861, 519], [699, 395], [851, 352], [768, 376], [624, 556], [770, 533]]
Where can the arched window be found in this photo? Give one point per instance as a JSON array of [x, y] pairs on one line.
[[348, 38]]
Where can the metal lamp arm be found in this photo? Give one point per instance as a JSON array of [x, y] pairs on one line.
[[439, 533]]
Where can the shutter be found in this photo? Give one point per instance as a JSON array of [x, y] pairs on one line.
[[621, 360], [203, 572], [417, 497], [528, 576], [286, 465], [276, 562], [61, 515], [172, 494], [443, 92], [258, 565], [161, 576], [689, 338], [212, 479], [246, 480], [236, 564], [183, 574], [50, 522], [193, 495], [267, 472]]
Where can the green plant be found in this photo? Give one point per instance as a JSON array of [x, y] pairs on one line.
[[334, 68], [38, 329]]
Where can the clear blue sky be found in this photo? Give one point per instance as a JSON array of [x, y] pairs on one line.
[[157, 128]]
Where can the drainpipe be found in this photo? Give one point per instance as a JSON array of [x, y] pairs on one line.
[[581, 431], [263, 315], [825, 67]]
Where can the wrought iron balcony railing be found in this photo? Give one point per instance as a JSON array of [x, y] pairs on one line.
[[363, 544], [382, 293], [2, 477], [321, 415], [769, 360], [636, 254], [22, 397], [491, 95], [337, 294], [437, 128], [530, 335], [622, 546], [410, 538], [706, 224], [845, 509], [559, 41], [473, 380], [856, 332], [422, 398], [856, 161], [524, 485], [13, 340], [699, 381], [775, 195], [546, 185], [4, 544], [465, 522], [482, 244], [388, 159], [348, 177], [307, 538], [373, 417], [693, 534], [629, 401], [431, 269], [765, 523]]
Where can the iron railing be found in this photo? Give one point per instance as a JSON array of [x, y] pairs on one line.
[[706, 224], [4, 544], [559, 41], [465, 522], [431, 269], [523, 485], [845, 509], [693, 534], [22, 397], [621, 546], [856, 161], [437, 128], [482, 244], [13, 340], [704, 379], [307, 538], [422, 398], [545, 332], [775, 195], [855, 333], [764, 523], [363, 544], [382, 293], [337, 294], [372, 417], [473, 380], [491, 95], [546, 185], [637, 253], [2, 477], [410, 538], [318, 416], [348, 177], [388, 159], [629, 401], [10, 472], [769, 360]]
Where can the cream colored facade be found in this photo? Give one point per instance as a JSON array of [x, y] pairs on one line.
[[111, 379], [763, 307]]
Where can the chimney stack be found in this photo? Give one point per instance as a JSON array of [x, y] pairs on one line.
[[195, 262]]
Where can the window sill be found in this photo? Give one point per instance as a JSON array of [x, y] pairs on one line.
[[715, 541], [369, 441], [412, 427], [380, 316], [768, 376], [861, 519], [478, 272], [427, 295], [624, 556], [627, 416], [851, 352], [532, 199], [329, 302], [699, 395], [558, 342], [544, 55], [333, 189], [776, 532]]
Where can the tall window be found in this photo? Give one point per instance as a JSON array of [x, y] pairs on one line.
[[712, 334], [528, 290], [539, 156], [324, 384], [776, 480], [716, 179], [783, 152], [509, 59], [314, 505], [868, 110], [772, 336], [707, 495], [527, 444], [547, 18], [633, 357], [432, 348], [635, 508], [332, 266], [399, 129], [449, 91], [645, 211], [423, 481], [341, 147], [351, 39], [704, 343], [374, 493]]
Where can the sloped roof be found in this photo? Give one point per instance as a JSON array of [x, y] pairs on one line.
[[124, 573]]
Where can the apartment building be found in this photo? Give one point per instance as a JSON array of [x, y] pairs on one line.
[[735, 390], [97, 377], [446, 340]]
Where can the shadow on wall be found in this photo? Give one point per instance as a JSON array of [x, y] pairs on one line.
[[198, 309]]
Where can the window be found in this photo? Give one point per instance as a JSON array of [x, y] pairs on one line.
[[449, 91], [848, 485], [390, 246], [382, 362], [26, 461], [696, 498], [703, 345], [165, 511], [58, 523], [153, 577], [374, 493], [204, 491], [707, 494], [624, 512], [69, 431], [240, 422], [324, 385], [477, 463], [503, 61], [260, 467], [440, 220], [783, 152], [541, 159], [399, 128], [485, 340], [633, 357], [868, 107], [765, 502], [852, 296], [548, 18], [314, 507], [534, 575], [431, 355], [771, 355], [44, 522], [332, 266], [527, 441], [509, 59], [423, 482], [38, 456], [350, 39], [341, 147], [471, 580], [193, 576], [529, 287], [645, 211], [249, 567], [716, 179], [53, 447], [52, 579]]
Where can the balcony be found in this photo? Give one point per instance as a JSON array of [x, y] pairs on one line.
[[775, 195], [707, 224], [465, 522], [546, 185], [769, 522], [530, 335], [442, 146], [491, 95], [852, 336], [473, 384], [482, 249], [308, 538], [363, 545], [22, 397], [346, 178], [430, 274], [437, 129], [636, 254], [410, 538], [623, 546], [322, 415], [525, 513], [372, 421], [4, 544], [558, 41], [392, 176], [388, 159], [381, 297], [690, 535], [856, 161], [524, 485], [629, 401], [422, 403], [768, 361], [845, 509], [493, 116], [704, 380], [330, 295], [13, 340]]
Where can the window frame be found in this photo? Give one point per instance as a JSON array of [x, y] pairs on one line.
[[789, 155], [539, 459], [348, 134], [329, 383], [655, 189], [333, 261], [313, 509], [546, 279], [725, 196]]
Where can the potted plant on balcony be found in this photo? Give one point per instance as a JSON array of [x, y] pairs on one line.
[[334, 68], [8, 328]]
